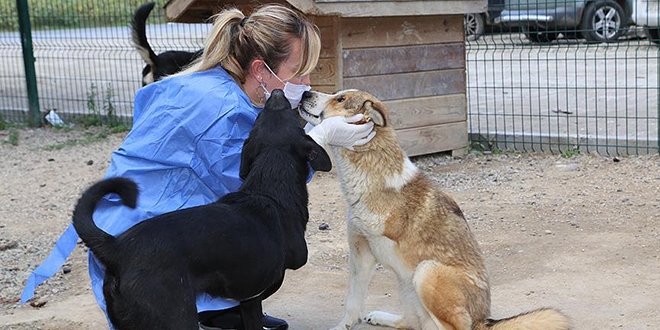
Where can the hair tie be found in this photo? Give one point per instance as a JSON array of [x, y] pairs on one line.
[[242, 23]]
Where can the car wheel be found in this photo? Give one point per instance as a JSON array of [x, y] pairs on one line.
[[653, 34], [603, 21], [539, 35], [475, 25]]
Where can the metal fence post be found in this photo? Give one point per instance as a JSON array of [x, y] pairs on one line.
[[34, 116]]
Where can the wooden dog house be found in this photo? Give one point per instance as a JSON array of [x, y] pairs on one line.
[[409, 54]]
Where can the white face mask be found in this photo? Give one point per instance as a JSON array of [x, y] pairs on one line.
[[293, 92]]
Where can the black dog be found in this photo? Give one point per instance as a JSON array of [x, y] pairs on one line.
[[238, 247], [163, 64]]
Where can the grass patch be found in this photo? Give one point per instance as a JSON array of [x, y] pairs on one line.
[[570, 153], [14, 134], [484, 147], [107, 116], [119, 129], [13, 138], [49, 14], [89, 138]]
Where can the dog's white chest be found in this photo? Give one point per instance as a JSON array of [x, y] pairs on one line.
[[364, 222], [384, 249]]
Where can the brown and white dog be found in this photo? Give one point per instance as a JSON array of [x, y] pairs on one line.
[[399, 218]]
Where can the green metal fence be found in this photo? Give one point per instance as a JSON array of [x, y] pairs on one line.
[[86, 67], [531, 87], [535, 85]]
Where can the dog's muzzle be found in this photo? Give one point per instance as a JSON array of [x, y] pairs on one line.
[[308, 116]]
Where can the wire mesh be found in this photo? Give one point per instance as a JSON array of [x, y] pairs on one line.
[[552, 86], [533, 84], [85, 63]]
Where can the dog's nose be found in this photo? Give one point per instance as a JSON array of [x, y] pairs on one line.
[[277, 101], [306, 95]]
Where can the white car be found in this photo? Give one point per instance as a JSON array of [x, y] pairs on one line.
[[646, 13]]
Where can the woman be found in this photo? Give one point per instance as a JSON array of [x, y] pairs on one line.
[[188, 130]]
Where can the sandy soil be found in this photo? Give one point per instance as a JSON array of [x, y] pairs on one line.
[[578, 234]]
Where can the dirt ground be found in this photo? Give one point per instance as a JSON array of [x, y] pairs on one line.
[[577, 234]]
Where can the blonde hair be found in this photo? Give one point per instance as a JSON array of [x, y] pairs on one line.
[[235, 40]]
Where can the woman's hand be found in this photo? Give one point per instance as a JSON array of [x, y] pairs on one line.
[[342, 132]]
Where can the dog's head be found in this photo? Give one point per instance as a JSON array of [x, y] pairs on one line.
[[277, 128], [315, 106]]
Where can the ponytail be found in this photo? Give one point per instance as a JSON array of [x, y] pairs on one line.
[[235, 40]]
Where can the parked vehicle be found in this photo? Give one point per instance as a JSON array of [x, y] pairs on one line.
[[646, 13], [544, 20], [476, 24]]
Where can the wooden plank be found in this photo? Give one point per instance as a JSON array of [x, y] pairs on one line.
[[410, 85], [427, 111], [199, 11], [328, 89], [176, 9], [381, 1], [305, 6], [340, 50], [323, 21], [329, 42], [374, 61], [432, 139], [325, 72], [353, 8], [401, 31]]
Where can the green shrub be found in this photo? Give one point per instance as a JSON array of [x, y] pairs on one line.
[[49, 14]]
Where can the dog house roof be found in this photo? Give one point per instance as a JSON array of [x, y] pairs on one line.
[[197, 11]]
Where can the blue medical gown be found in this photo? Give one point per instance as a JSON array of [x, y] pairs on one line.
[[184, 150]]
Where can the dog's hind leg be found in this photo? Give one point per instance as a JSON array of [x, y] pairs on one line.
[[361, 264], [442, 294], [252, 314], [147, 302]]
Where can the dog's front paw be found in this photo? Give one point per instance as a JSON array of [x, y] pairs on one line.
[[347, 324], [383, 318]]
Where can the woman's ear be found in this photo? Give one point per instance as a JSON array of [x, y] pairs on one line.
[[257, 69]]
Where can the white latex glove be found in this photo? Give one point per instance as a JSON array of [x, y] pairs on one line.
[[340, 131], [308, 127]]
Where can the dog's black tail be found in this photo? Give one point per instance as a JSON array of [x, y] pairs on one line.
[[139, 33], [101, 243]]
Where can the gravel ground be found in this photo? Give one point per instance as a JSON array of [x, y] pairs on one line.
[[578, 234]]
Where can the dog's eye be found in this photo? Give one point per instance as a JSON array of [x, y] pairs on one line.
[[341, 99]]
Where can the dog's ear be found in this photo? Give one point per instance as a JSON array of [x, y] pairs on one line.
[[247, 157], [317, 156], [376, 111]]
